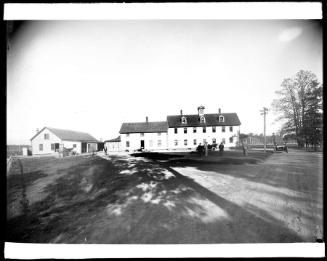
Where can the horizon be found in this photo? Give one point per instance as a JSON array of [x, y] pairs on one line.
[[92, 76]]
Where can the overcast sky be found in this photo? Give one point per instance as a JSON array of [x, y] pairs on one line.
[[94, 75]]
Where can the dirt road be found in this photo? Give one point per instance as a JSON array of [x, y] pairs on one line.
[[124, 199]]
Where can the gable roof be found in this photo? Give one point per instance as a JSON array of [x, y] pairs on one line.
[[139, 127], [114, 140], [69, 135], [211, 119]]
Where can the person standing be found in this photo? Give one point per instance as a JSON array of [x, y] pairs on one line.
[[221, 148]]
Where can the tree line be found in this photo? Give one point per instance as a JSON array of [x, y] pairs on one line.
[[299, 106]]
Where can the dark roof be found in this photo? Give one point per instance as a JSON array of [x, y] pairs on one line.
[[212, 119], [69, 135], [114, 140], [139, 127]]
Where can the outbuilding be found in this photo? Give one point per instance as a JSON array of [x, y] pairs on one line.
[[113, 144], [51, 140]]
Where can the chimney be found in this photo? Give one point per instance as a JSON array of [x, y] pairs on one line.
[[146, 119], [181, 112], [219, 111]]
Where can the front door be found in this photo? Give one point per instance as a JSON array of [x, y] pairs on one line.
[[56, 146], [83, 147], [142, 144]]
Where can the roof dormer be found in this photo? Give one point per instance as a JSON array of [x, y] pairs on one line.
[[221, 118], [184, 120]]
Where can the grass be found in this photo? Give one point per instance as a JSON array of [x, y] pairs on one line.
[[155, 198]]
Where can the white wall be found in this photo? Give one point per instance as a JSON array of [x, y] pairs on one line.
[[69, 145], [39, 139], [113, 146], [200, 136], [135, 141]]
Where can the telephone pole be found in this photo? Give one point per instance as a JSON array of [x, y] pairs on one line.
[[264, 112]]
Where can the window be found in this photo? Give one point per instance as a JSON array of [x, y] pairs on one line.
[[127, 135], [213, 128], [185, 142], [175, 130], [52, 146], [46, 136], [221, 118], [231, 128], [150, 143], [223, 129], [184, 121], [204, 130], [202, 119], [223, 140], [40, 147], [185, 130], [74, 145], [127, 144], [176, 142], [159, 143], [142, 134], [159, 133], [214, 140], [231, 140], [194, 142], [194, 130]]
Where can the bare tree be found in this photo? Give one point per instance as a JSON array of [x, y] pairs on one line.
[[298, 99]]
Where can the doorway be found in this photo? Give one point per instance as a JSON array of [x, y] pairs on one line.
[[142, 144], [83, 147]]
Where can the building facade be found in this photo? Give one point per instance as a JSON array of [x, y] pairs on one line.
[[113, 144], [182, 132], [51, 140], [189, 131], [146, 135]]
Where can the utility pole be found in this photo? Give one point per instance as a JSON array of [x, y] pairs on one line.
[[264, 112]]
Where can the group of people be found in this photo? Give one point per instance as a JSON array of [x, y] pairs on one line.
[[202, 149]]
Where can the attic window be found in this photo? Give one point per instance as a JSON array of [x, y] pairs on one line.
[[221, 119], [184, 121], [202, 119], [46, 136]]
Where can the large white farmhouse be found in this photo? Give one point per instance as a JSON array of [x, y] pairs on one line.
[[50, 140], [182, 131]]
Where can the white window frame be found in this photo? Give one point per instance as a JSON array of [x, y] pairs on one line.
[[221, 118]]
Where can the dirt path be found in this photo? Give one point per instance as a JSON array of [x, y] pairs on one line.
[[285, 191]]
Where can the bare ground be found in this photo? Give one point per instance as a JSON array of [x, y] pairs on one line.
[[124, 199]]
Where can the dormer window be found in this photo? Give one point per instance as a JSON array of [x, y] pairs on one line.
[[221, 119], [184, 121], [202, 119]]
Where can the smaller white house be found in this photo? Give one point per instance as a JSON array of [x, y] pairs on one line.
[[50, 140], [113, 144]]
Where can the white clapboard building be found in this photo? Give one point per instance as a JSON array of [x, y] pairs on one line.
[[183, 131], [146, 135], [50, 140]]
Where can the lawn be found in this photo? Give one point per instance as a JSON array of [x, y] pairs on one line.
[[272, 197]]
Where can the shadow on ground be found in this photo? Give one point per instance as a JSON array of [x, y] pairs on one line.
[[137, 200]]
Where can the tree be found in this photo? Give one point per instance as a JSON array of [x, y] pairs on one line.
[[300, 105]]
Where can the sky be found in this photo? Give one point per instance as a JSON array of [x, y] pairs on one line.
[[92, 75]]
